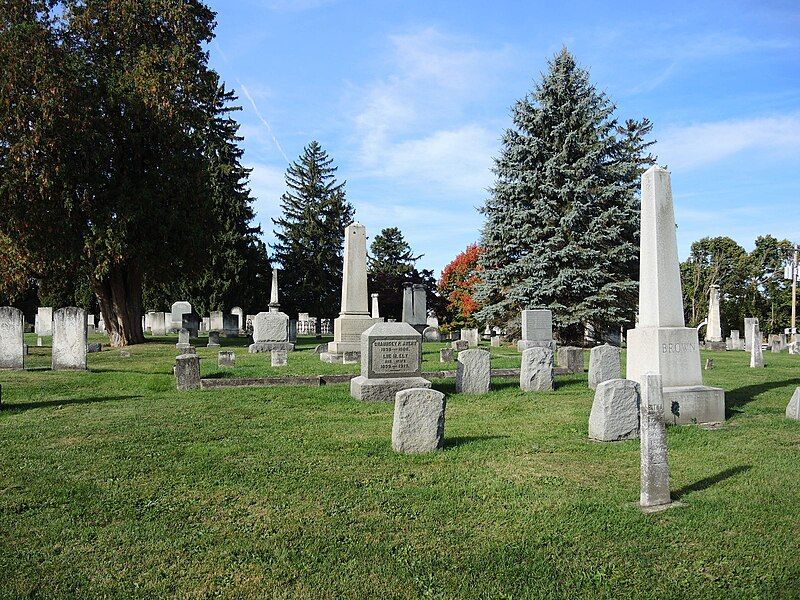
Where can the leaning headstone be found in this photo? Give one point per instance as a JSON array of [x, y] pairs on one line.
[[537, 330], [471, 336], [536, 371], [279, 358], [183, 339], [793, 409], [354, 318], [418, 424], [213, 339], [391, 361], [187, 372], [12, 344], [44, 321], [226, 359], [661, 343], [756, 352], [446, 355], [615, 411], [571, 358], [179, 309], [459, 345], [473, 371], [653, 447], [604, 364], [94, 347], [431, 334], [69, 339]]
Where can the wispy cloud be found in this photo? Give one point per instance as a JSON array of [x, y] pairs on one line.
[[700, 144]]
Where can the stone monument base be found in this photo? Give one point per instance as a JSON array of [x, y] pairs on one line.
[[693, 404], [383, 390], [523, 345], [270, 346], [708, 345]]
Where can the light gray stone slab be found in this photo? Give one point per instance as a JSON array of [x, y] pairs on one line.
[[604, 364], [187, 372], [226, 359], [179, 309], [471, 336], [615, 411], [213, 339], [536, 370], [215, 321], [495, 341], [157, 323], [653, 447], [523, 345], [473, 369], [418, 424], [183, 339], [446, 355], [270, 332], [571, 359], [713, 328], [383, 390], [756, 352], [459, 345], [69, 339], [12, 341], [537, 325], [793, 408], [431, 334], [391, 350], [279, 358]]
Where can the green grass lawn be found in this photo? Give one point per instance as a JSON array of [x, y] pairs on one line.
[[114, 484]]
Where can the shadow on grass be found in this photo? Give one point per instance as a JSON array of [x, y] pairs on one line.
[[744, 395], [709, 481], [21, 406], [464, 440]]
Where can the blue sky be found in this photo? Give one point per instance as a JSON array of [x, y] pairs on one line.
[[411, 98]]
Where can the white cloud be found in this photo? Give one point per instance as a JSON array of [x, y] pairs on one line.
[[700, 144]]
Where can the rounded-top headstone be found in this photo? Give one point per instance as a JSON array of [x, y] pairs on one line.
[[604, 364], [418, 424]]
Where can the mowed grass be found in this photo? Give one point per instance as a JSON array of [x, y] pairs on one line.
[[114, 484]]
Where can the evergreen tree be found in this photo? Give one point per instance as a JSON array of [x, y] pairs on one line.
[[310, 235], [562, 220]]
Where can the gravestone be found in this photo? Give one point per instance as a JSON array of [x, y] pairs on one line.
[[571, 358], [215, 320], [230, 325], [473, 371], [183, 339], [615, 411], [44, 321], [470, 336], [187, 372], [536, 370], [101, 325], [537, 330], [69, 339], [736, 342], [191, 323], [446, 355], [157, 323], [226, 359], [205, 323], [495, 341], [391, 361], [179, 309], [12, 341], [94, 347], [714, 328], [270, 332], [279, 357], [793, 408], [293, 331], [653, 445], [320, 348], [750, 324], [90, 324], [376, 312], [756, 352], [459, 345], [661, 343], [354, 318], [604, 364], [418, 424], [775, 346], [239, 314], [213, 339], [709, 363], [431, 334], [415, 307]]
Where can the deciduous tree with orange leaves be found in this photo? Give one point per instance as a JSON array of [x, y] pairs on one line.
[[457, 286]]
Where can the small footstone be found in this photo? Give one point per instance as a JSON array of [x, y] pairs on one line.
[[615, 411], [709, 363], [571, 358], [187, 372], [418, 424], [793, 409], [124, 353], [446, 355], [351, 358], [279, 358], [473, 372], [536, 370], [459, 345], [94, 347], [226, 359], [604, 364]]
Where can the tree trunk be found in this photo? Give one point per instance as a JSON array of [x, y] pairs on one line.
[[120, 296]]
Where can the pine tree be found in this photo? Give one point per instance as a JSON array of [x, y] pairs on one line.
[[562, 223], [310, 235]]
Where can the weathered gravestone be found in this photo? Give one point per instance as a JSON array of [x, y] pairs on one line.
[[12, 344], [270, 332], [653, 446], [279, 357], [775, 344], [571, 358], [230, 325], [471, 336], [473, 371], [793, 409], [239, 314], [226, 359], [750, 324], [604, 364], [183, 339], [418, 424], [69, 339], [179, 309], [376, 310], [354, 318], [44, 321], [736, 342], [215, 320], [391, 360], [615, 411], [94, 347], [713, 328], [446, 355], [536, 370], [537, 330], [709, 364], [415, 309], [459, 345], [495, 341], [157, 323], [756, 352], [191, 323], [213, 339], [187, 372], [661, 343], [431, 334]]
